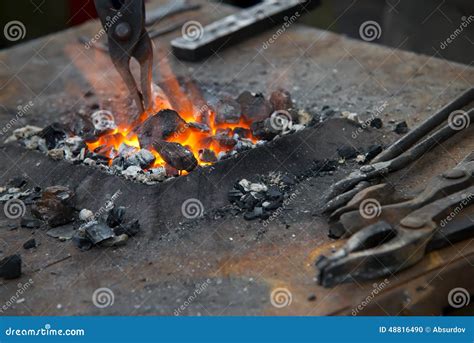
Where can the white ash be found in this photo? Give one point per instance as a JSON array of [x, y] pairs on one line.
[[86, 215]]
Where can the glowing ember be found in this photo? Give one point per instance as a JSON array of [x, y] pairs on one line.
[[191, 137]]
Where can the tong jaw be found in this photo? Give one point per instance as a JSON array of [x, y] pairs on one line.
[[399, 236], [124, 22]]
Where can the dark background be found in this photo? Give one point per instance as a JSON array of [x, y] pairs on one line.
[[419, 26]]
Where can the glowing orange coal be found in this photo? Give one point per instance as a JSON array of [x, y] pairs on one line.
[[192, 138]]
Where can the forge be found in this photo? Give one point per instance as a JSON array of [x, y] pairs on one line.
[[220, 184]]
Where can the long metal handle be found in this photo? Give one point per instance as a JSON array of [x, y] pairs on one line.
[[424, 128]]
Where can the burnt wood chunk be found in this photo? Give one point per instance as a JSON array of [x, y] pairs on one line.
[[207, 155], [55, 206], [53, 134], [176, 155], [264, 130], [10, 267], [254, 107], [159, 127], [281, 100], [227, 111]]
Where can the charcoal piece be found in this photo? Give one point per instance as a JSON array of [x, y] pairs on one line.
[[273, 205], [17, 182], [288, 179], [199, 126], [56, 206], [256, 213], [281, 100], [30, 223], [376, 123], [115, 241], [10, 267], [347, 152], [81, 241], [62, 233], [227, 110], [159, 127], [176, 155], [98, 232], [234, 195], [401, 128], [273, 193], [312, 297], [81, 125], [126, 150], [29, 244], [130, 228], [207, 155], [254, 107], [249, 201], [143, 159], [119, 162], [326, 113], [225, 141], [75, 144], [242, 132], [264, 130], [53, 134], [115, 217], [33, 196], [373, 151]]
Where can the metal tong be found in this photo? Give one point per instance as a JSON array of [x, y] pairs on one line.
[[124, 22], [390, 233]]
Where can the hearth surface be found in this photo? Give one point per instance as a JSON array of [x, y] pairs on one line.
[[236, 263]]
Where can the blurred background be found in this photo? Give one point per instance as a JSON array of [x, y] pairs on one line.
[[419, 26]]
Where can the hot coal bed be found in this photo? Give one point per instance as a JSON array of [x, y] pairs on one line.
[[163, 145]]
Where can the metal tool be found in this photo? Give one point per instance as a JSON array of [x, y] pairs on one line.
[[201, 42], [171, 8], [124, 22], [396, 232], [404, 232], [399, 153]]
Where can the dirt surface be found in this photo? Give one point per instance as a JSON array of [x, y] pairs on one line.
[[237, 264]]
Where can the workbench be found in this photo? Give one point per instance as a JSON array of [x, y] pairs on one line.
[[239, 262]]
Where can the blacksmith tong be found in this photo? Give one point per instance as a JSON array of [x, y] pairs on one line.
[[389, 232], [124, 22]]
